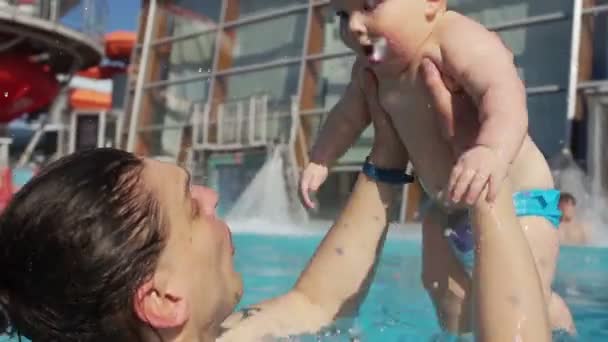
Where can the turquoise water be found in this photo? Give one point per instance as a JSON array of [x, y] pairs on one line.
[[397, 307]]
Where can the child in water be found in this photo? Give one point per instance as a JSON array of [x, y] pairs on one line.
[[460, 159], [571, 230]]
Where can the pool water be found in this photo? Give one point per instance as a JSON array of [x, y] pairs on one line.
[[397, 307]]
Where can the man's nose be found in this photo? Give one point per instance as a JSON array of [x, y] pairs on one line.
[[207, 198]]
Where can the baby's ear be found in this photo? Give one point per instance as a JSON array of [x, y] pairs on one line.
[[433, 7]]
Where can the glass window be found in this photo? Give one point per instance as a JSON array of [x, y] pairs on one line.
[[329, 31], [278, 83], [547, 116], [333, 76], [173, 104], [268, 40], [491, 12], [355, 154], [253, 7], [185, 58], [119, 90], [162, 143], [187, 16], [533, 45]]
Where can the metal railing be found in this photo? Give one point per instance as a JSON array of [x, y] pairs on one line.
[[254, 122], [86, 16], [597, 139]]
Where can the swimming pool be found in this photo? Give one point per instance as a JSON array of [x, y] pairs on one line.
[[397, 307]]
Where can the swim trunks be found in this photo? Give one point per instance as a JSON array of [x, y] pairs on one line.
[[539, 202]]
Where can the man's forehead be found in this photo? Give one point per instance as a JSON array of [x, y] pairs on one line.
[[164, 176]]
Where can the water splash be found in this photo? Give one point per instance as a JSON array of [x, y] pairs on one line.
[[265, 206], [591, 202]]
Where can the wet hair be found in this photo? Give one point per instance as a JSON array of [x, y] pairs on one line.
[[567, 197], [76, 242]]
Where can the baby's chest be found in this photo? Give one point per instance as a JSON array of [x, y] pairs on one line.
[[405, 101]]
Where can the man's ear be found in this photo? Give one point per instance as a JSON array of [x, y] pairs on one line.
[[160, 308], [434, 7]]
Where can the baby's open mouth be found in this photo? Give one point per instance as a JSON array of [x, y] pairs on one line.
[[376, 52]]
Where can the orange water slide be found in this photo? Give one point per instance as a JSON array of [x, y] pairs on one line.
[[118, 46], [85, 99]]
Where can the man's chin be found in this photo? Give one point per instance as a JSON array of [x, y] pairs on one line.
[[232, 299], [238, 288]]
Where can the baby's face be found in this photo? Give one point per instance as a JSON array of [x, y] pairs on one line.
[[380, 30]]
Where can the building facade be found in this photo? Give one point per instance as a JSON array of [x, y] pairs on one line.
[[193, 53]]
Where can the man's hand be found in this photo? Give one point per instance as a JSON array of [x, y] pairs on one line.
[[447, 98], [312, 178], [477, 168]]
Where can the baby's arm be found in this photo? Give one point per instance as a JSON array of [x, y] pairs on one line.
[[484, 66], [345, 122], [478, 60]]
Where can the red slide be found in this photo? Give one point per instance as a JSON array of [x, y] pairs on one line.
[[25, 86]]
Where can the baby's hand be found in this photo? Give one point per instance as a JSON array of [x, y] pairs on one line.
[[476, 169], [313, 176]]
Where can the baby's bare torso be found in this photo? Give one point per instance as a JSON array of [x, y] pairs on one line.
[[435, 144]]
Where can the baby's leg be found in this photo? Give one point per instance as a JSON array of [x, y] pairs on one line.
[[544, 244], [444, 278]]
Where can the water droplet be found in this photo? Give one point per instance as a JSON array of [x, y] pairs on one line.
[[6, 94]]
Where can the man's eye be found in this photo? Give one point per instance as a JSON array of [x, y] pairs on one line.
[[196, 210], [342, 15]]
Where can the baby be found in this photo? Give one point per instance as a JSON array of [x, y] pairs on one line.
[[459, 159]]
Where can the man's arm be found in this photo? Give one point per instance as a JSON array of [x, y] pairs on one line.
[[339, 274], [483, 65], [344, 124], [509, 302], [337, 278]]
